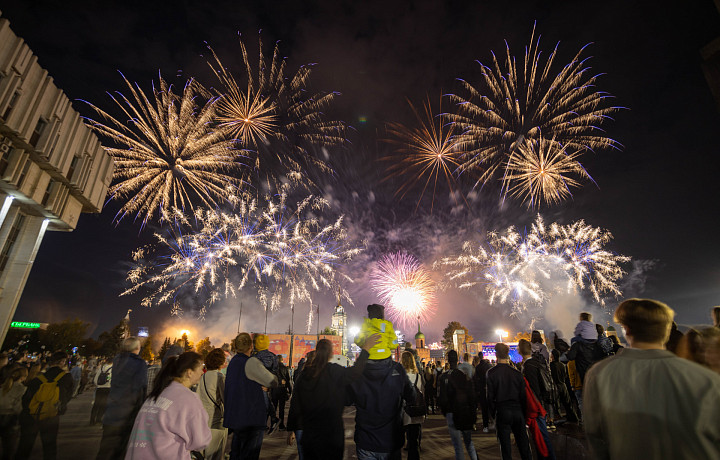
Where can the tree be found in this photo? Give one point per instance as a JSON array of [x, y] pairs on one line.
[[188, 344], [452, 326], [146, 351], [90, 347], [65, 335], [164, 348], [328, 331], [112, 339], [203, 347], [521, 335]]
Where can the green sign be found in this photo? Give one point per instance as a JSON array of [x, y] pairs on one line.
[[24, 325]]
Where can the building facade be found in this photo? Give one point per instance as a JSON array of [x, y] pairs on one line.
[[52, 167], [338, 324]]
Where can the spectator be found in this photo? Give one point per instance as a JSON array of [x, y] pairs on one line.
[[584, 350], [540, 383], [466, 367], [715, 314], [702, 347], [376, 323], [10, 407], [603, 341], [76, 373], [506, 402], [558, 370], [153, 371], [175, 350], [297, 428], [127, 393], [172, 421], [245, 409], [458, 404], [670, 409], [4, 368], [413, 424], [616, 344], [576, 386], [211, 391], [33, 372], [378, 396], [538, 346], [282, 392], [319, 399], [480, 383], [559, 342], [430, 388], [40, 415], [102, 380], [269, 360], [585, 329]]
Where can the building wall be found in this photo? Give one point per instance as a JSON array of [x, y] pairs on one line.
[[52, 167]]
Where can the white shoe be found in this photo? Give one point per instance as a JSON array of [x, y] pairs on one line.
[[485, 430]]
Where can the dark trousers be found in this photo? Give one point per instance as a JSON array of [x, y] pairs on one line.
[[511, 419], [8, 435], [412, 433], [114, 442], [29, 429], [98, 408], [430, 399], [246, 444], [279, 403], [483, 403]]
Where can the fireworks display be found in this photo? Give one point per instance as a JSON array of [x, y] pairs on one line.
[[169, 153], [280, 250], [276, 118], [511, 106], [405, 287], [428, 152], [526, 270]]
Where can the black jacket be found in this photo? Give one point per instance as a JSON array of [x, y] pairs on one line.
[[460, 400], [128, 388], [505, 388], [378, 396], [585, 354], [480, 378], [317, 404], [559, 376], [283, 390], [539, 378]]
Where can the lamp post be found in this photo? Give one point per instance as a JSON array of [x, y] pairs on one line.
[[501, 333]]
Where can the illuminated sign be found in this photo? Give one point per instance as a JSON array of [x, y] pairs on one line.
[[24, 325], [143, 332]]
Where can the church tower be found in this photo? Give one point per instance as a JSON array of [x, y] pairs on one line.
[[419, 339], [339, 324]]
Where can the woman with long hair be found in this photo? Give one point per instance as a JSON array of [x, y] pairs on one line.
[[319, 399], [172, 422], [10, 408], [211, 391], [413, 425]]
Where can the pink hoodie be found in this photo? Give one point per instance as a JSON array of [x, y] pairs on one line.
[[169, 427]]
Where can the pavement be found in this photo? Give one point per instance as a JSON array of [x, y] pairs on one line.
[[77, 440]]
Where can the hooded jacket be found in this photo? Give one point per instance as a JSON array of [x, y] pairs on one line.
[[378, 395], [388, 340]]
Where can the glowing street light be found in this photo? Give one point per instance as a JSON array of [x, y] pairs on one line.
[[501, 333], [354, 331]]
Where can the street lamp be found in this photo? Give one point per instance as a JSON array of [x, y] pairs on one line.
[[501, 333], [354, 331]]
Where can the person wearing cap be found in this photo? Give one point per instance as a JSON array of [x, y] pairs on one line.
[[376, 323], [270, 361]]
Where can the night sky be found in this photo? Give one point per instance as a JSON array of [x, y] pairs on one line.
[[658, 196]]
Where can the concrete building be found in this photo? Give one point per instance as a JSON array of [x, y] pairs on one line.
[[338, 324], [52, 167]]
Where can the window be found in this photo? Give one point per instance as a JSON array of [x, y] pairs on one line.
[[5, 152], [10, 242], [48, 192], [24, 172], [11, 104], [73, 165], [37, 132]]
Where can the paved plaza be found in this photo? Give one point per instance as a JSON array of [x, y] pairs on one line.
[[79, 441]]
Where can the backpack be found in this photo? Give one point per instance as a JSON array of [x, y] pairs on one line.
[[417, 408], [103, 377], [44, 403]]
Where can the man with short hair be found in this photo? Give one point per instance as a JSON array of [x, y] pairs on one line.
[[458, 404], [282, 392], [128, 387], [30, 423], [245, 409], [506, 402], [645, 402]]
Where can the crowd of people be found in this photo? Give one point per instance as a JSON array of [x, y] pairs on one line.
[[656, 398]]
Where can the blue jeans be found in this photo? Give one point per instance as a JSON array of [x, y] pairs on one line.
[[543, 429], [363, 454], [246, 444], [458, 438], [298, 437]]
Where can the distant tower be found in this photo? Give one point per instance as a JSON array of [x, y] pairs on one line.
[[339, 323], [126, 325], [419, 338]]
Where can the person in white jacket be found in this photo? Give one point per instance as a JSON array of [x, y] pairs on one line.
[[102, 378], [413, 425]]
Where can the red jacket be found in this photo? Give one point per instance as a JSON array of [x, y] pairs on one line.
[[533, 410]]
